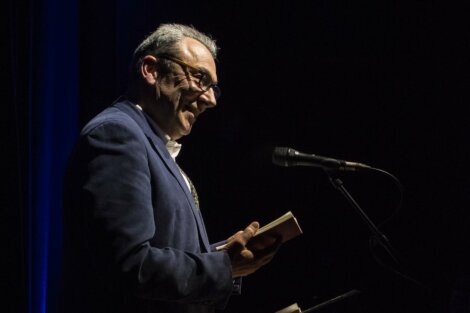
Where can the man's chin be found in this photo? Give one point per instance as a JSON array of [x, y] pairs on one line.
[[183, 130]]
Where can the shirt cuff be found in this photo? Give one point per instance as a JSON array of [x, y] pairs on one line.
[[237, 286]]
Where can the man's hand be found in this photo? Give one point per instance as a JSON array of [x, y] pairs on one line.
[[246, 261]]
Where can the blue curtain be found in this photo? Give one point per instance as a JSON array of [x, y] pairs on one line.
[[53, 126]]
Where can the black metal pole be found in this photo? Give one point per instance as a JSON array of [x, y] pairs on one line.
[[376, 233]]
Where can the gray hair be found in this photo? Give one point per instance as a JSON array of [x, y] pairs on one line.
[[165, 40]]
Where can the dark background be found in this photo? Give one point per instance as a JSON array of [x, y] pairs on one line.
[[380, 82]]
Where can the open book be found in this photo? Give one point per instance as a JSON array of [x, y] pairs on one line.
[[293, 308], [285, 227]]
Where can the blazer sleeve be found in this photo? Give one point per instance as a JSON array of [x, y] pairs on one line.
[[116, 192]]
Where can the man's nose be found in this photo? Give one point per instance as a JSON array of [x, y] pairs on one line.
[[209, 98], [206, 98]]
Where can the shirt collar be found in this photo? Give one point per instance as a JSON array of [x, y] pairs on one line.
[[172, 146]]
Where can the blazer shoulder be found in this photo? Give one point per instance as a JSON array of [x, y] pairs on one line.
[[111, 116]]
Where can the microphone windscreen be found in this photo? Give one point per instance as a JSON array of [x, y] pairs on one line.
[[279, 156]]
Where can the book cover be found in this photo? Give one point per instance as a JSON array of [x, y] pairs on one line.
[[285, 227]]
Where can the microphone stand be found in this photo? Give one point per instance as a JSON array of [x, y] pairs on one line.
[[331, 301], [376, 233]]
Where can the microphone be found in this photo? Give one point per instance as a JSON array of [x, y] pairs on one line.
[[284, 156]]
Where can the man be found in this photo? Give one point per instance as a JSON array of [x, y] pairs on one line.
[[134, 238]]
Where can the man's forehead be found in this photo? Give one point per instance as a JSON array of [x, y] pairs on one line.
[[197, 54], [195, 50]]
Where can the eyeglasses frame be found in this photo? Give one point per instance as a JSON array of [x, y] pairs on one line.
[[203, 73]]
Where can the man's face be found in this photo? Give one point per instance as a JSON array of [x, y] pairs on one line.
[[180, 98]]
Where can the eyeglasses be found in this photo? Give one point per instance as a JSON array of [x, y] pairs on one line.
[[203, 79]]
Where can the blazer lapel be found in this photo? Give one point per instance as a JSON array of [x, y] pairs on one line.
[[159, 146]]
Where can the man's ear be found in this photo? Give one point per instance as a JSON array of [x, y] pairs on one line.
[[148, 69]]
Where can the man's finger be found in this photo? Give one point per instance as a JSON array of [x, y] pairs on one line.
[[247, 254], [250, 230]]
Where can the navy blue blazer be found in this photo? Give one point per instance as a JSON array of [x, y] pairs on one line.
[[134, 240]]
